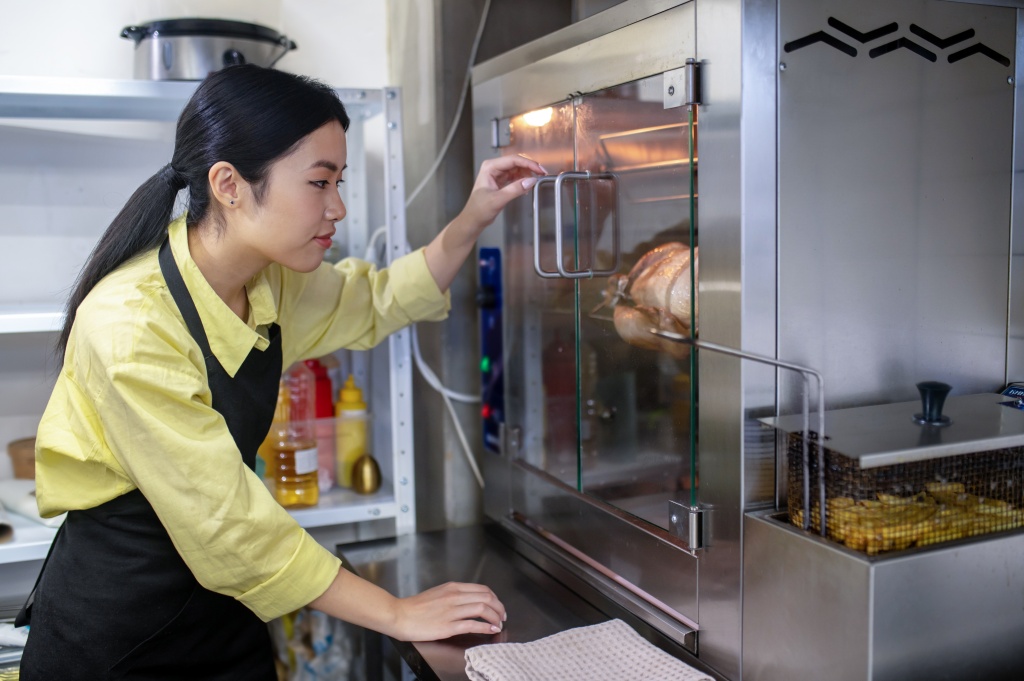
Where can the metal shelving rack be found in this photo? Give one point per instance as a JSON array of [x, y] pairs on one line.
[[137, 100]]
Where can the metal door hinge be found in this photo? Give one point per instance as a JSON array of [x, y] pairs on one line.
[[683, 86], [687, 523], [511, 439], [501, 132]]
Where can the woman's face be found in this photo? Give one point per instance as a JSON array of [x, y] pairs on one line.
[[294, 223]]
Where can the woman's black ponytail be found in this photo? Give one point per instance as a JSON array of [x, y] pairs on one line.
[[141, 225], [246, 115]]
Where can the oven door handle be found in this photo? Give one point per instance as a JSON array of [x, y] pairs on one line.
[[536, 228], [562, 272], [584, 274], [616, 251]]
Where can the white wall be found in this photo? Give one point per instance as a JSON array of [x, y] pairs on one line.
[[59, 189], [342, 42]]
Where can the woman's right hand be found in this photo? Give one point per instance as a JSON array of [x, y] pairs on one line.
[[444, 611], [448, 610]]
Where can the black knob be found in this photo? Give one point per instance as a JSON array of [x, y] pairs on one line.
[[487, 297], [233, 57], [933, 396]]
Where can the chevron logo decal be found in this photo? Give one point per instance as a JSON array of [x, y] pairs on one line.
[[863, 37], [978, 48], [941, 43], [822, 37], [902, 42]]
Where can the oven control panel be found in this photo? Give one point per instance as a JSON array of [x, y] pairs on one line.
[[492, 390]]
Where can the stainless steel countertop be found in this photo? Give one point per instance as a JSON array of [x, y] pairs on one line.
[[538, 605]]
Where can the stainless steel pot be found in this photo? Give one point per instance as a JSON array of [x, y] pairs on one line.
[[190, 49]]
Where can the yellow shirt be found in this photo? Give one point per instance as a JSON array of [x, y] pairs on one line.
[[132, 409]]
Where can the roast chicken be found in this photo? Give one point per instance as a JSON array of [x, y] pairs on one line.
[[655, 294]]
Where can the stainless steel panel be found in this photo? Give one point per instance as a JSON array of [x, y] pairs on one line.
[[601, 591], [1015, 330], [645, 562], [994, 3], [736, 217], [627, 13], [806, 608], [813, 610], [758, 239], [885, 434], [666, 40], [894, 195], [950, 613]]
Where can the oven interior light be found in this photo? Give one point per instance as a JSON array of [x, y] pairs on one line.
[[538, 118]]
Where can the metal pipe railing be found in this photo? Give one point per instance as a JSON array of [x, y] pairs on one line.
[[806, 373]]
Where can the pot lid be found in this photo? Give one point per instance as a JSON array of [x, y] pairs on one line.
[[203, 27], [887, 434]]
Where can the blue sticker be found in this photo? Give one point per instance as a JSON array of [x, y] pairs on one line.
[[1014, 390]]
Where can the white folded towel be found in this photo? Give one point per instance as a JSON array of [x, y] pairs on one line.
[[13, 636], [611, 651]]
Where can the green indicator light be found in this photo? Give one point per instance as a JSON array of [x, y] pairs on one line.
[[485, 364]]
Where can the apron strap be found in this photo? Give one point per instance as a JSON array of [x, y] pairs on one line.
[[187, 307]]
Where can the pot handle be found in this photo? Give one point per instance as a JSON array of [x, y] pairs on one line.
[[288, 45], [134, 33]]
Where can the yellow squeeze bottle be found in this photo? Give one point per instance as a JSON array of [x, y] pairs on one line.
[[350, 411]]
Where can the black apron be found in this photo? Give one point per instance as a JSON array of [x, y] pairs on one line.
[[114, 598]]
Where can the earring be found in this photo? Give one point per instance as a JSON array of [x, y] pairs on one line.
[[232, 203]]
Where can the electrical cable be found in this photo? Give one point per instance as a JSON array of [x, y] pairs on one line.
[[458, 110], [428, 374], [448, 395], [371, 255], [371, 245]]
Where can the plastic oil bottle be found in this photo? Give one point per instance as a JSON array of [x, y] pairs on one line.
[[293, 441], [325, 428], [351, 415]]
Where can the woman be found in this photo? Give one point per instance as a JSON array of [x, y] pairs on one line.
[[174, 554]]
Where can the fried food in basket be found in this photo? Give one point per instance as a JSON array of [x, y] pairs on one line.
[[944, 512]]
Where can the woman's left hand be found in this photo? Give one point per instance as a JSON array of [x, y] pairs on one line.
[[499, 181]]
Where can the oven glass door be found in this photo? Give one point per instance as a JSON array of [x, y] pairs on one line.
[[636, 446], [540, 355], [600, 256]]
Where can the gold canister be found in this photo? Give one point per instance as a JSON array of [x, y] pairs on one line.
[[365, 475]]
